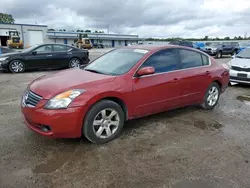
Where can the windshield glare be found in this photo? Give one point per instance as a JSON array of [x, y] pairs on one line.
[[117, 62], [244, 53]]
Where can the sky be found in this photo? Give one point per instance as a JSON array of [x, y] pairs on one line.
[[147, 18]]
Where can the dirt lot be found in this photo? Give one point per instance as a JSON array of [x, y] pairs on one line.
[[184, 148]]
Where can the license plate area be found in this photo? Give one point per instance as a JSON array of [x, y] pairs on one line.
[[240, 75]]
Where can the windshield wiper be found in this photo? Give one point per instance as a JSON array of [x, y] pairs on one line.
[[95, 71]]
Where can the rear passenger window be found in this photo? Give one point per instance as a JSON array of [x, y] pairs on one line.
[[190, 59], [205, 60], [163, 61]]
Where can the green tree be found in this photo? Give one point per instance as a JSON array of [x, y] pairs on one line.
[[6, 18], [88, 31], [206, 38], [235, 38], [240, 38], [227, 38], [51, 30]]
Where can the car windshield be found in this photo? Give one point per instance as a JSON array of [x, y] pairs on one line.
[[244, 53], [30, 49], [116, 62]]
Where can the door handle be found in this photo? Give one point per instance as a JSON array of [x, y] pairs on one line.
[[175, 80], [49, 55], [208, 73], [69, 53]]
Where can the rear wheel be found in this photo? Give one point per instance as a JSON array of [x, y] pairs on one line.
[[211, 97], [16, 66], [103, 122], [74, 63], [219, 54]]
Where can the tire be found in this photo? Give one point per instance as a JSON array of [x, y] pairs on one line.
[[219, 55], [74, 63], [234, 53], [207, 104], [103, 131], [16, 66]]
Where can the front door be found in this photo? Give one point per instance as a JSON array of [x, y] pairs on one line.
[[194, 75], [160, 91], [41, 57]]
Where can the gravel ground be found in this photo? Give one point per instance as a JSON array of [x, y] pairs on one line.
[[183, 148]]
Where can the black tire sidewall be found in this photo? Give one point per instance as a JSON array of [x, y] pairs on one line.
[[219, 54], [88, 121], [74, 58], [205, 104], [19, 62]]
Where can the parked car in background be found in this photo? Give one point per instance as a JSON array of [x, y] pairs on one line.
[[243, 45], [184, 43], [98, 45], [240, 67], [4, 50], [219, 49], [44, 56], [123, 84]]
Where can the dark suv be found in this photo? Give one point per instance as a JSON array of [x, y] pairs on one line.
[[220, 49], [183, 43]]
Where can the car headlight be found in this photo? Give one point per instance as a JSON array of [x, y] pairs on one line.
[[64, 99], [3, 58]]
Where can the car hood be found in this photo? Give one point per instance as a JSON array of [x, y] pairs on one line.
[[10, 54], [240, 62], [48, 86]]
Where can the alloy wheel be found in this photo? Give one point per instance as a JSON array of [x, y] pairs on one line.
[[17, 66], [106, 123], [74, 63], [213, 95]]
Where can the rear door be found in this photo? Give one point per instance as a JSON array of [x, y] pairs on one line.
[[195, 75], [60, 56], [160, 91], [227, 48], [43, 57]]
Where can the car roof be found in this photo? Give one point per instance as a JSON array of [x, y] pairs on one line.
[[156, 47]]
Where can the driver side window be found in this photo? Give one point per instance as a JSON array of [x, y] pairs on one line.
[[44, 49]]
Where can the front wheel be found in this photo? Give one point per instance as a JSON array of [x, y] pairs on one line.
[[211, 97], [103, 122], [16, 66]]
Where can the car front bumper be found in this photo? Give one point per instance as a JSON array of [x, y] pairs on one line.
[[239, 76], [62, 123]]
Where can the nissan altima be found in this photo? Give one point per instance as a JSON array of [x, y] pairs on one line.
[[123, 84], [44, 56]]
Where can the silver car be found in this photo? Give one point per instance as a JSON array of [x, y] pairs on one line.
[[240, 67]]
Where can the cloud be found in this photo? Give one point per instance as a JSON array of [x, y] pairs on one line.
[[156, 18]]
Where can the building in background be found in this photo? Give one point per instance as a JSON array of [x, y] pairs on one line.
[[38, 34], [108, 40], [29, 34]]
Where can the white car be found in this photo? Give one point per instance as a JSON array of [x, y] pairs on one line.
[[240, 67]]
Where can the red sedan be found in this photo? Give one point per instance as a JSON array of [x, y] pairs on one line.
[[123, 84]]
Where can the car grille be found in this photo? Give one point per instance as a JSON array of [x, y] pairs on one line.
[[240, 78], [31, 99], [241, 69]]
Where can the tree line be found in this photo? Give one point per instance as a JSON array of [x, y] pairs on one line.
[[206, 38], [82, 31]]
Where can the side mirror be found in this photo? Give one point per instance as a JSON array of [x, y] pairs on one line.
[[146, 71], [34, 53]]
